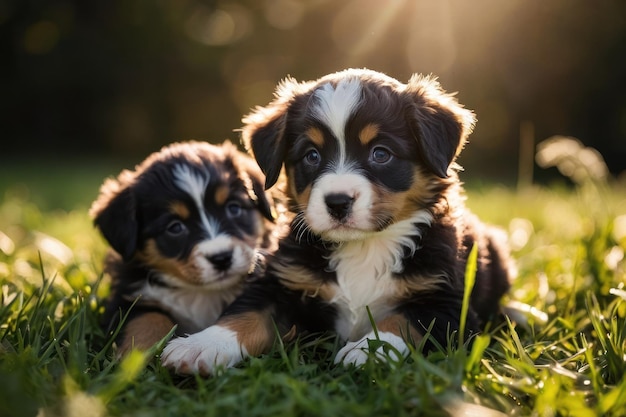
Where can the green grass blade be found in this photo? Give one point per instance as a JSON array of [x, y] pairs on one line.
[[470, 278]]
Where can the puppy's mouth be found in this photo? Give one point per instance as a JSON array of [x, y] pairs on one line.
[[338, 221], [344, 235], [348, 227], [204, 282], [221, 263], [224, 269], [339, 207], [204, 275], [222, 280]]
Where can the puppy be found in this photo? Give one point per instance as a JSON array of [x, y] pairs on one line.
[[379, 228], [185, 227]]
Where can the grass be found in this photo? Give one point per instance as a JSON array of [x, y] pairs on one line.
[[569, 245]]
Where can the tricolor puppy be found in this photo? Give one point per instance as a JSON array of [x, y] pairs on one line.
[[185, 227], [379, 223]]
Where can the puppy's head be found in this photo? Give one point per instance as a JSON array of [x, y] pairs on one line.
[[192, 213], [361, 150]]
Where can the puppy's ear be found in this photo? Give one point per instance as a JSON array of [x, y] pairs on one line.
[[263, 136], [114, 213], [440, 123], [255, 180], [264, 203], [263, 133]]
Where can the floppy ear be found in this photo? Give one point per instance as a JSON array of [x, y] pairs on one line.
[[265, 205], [441, 125], [254, 182], [263, 133], [263, 136], [114, 213]]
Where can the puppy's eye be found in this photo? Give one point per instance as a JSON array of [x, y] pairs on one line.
[[380, 155], [234, 209], [312, 157], [176, 228]]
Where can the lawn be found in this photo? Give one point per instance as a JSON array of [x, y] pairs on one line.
[[568, 358]]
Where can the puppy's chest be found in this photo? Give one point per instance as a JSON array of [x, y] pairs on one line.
[[365, 280], [193, 309]]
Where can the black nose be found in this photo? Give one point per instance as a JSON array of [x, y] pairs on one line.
[[338, 205], [222, 260]]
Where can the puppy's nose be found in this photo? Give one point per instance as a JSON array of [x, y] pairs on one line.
[[338, 205], [222, 260]]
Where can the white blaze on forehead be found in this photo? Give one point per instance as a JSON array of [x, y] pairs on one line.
[[194, 184], [333, 107]]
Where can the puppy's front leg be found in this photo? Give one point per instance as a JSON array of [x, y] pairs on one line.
[[225, 344], [394, 331], [143, 330]]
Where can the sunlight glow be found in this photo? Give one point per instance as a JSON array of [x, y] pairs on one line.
[[6, 244], [431, 36], [353, 35], [54, 247], [283, 14], [619, 228], [219, 27], [520, 231]]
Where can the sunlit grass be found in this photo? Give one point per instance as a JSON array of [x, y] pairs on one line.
[[569, 244]]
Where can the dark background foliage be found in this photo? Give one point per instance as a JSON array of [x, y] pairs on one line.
[[120, 78]]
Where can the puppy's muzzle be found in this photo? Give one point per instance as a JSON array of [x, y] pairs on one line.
[[338, 205], [221, 260]]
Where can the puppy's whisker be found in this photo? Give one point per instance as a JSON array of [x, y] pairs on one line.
[[300, 226], [382, 222]]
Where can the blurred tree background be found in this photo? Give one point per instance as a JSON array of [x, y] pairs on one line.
[[121, 78]]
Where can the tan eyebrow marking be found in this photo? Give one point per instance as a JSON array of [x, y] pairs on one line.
[[221, 194], [180, 209], [316, 136], [368, 133]]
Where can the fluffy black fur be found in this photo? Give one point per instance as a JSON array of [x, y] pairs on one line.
[[379, 222], [429, 128], [168, 261]]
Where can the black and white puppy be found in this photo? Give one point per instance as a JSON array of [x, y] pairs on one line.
[[379, 223], [185, 227]]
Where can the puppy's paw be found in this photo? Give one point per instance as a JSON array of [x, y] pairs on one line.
[[354, 353], [389, 346], [203, 352]]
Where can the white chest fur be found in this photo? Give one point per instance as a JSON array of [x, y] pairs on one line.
[[192, 307], [365, 270]]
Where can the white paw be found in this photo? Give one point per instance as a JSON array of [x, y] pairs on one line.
[[353, 353], [203, 352], [356, 353]]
